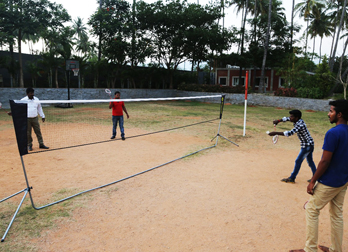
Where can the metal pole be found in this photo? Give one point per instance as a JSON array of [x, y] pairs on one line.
[[9, 197], [14, 216], [56, 202]]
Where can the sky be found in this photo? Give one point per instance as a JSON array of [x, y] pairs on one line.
[[85, 8]]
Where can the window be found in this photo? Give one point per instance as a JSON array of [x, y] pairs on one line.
[[258, 79], [235, 81], [223, 81], [282, 82]]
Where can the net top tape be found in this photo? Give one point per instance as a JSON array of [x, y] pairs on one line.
[[118, 100]]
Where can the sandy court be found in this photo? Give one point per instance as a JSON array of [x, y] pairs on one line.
[[227, 198]]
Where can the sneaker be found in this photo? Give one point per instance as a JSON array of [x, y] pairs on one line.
[[113, 137], [42, 146], [30, 148], [288, 180], [123, 138]]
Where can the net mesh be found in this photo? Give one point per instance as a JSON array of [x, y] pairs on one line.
[[82, 155], [72, 123], [76, 71]]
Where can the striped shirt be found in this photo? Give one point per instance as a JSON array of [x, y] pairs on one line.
[[302, 132]]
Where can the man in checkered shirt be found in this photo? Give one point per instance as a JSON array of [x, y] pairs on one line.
[[307, 143]]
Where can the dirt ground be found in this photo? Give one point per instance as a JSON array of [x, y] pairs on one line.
[[227, 198]]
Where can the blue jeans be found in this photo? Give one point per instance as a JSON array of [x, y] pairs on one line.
[[306, 152], [116, 119]]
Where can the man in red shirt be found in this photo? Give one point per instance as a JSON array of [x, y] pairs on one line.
[[117, 115]]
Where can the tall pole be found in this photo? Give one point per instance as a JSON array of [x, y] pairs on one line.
[[245, 100], [99, 46]]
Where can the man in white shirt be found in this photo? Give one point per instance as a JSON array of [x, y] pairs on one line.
[[34, 108]]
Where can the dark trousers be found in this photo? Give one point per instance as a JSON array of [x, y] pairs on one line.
[[34, 123]]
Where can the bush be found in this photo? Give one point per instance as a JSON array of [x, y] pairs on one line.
[[289, 92], [313, 93], [211, 88]]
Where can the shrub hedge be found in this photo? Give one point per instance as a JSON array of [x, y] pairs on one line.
[[211, 88]]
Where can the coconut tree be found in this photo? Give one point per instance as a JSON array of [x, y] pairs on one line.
[[262, 81], [340, 76], [342, 18], [240, 6], [304, 9], [82, 44], [321, 26]]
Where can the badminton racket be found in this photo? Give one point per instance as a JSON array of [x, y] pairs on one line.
[[275, 137], [305, 205], [108, 92]]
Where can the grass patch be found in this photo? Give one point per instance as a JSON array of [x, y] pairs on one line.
[[30, 223]]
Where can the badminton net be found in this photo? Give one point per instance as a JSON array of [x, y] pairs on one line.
[[73, 123], [83, 156]]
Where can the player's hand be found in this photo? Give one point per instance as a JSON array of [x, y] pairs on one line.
[[275, 122], [273, 133], [9, 113], [127, 116], [310, 188], [43, 119]]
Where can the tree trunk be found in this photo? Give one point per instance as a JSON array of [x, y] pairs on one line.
[[292, 24], [12, 67], [56, 79], [332, 59], [321, 42], [262, 81], [21, 82], [306, 37], [313, 48], [242, 45], [339, 74], [333, 35]]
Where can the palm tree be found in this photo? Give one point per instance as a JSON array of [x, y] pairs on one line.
[[304, 10], [262, 81], [320, 26], [332, 59], [80, 30], [340, 75], [58, 43], [239, 7]]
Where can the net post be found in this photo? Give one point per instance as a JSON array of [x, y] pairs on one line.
[[20, 123], [218, 133], [222, 105]]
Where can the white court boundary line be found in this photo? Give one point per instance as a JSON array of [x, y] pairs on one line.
[[119, 100]]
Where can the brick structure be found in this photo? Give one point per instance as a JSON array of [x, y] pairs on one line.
[[229, 76]]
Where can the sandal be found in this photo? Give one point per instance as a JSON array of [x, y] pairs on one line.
[[288, 180], [323, 248]]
